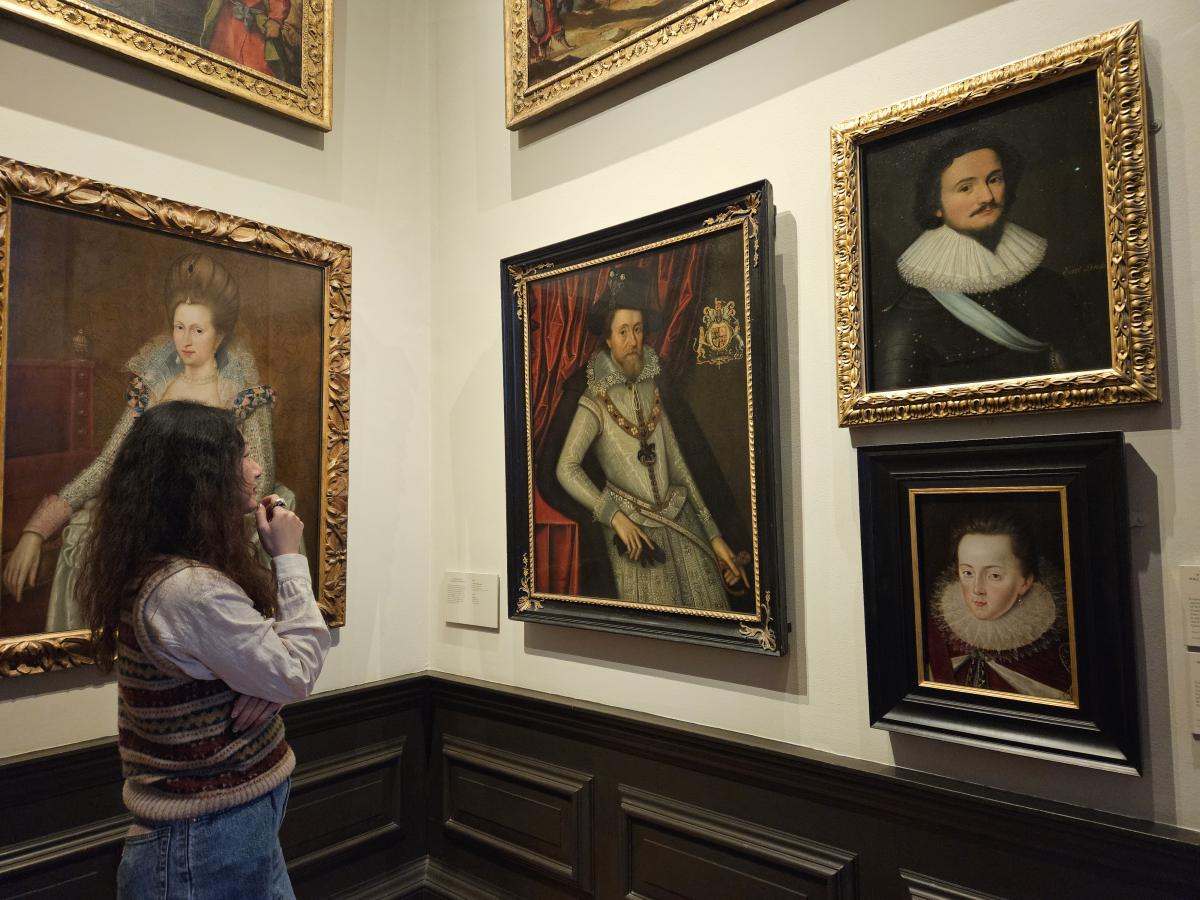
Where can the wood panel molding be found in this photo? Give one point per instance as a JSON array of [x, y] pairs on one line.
[[433, 786], [922, 887], [793, 866], [563, 850]]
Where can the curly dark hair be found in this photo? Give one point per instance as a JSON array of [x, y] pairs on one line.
[[1019, 533], [928, 197], [176, 489]]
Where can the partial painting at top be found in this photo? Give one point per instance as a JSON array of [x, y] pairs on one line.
[[274, 53], [558, 51], [563, 33], [263, 35]]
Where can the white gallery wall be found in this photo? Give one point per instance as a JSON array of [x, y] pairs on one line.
[[366, 184], [758, 104]]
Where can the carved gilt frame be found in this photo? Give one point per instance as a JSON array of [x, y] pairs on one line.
[[310, 102], [1116, 58], [29, 654], [695, 23]]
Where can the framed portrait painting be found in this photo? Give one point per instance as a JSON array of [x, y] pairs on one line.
[[641, 458], [277, 54], [113, 301], [556, 52], [993, 242], [996, 581]]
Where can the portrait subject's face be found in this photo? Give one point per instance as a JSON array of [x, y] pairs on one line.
[[625, 341], [990, 575], [196, 340], [972, 192]]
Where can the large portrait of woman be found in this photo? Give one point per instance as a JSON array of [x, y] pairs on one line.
[[121, 305]]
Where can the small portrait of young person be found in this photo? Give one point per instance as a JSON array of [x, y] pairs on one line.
[[995, 611], [208, 644]]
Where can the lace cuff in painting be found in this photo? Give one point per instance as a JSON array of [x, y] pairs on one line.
[[50, 516]]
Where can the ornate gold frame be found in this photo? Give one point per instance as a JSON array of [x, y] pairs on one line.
[[310, 102], [28, 654], [697, 22], [1116, 58]]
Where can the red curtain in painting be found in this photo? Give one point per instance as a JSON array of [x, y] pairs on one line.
[[560, 344]]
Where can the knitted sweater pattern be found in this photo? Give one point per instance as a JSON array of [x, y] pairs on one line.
[[179, 754]]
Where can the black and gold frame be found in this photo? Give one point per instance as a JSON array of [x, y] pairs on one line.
[[684, 447], [996, 584], [1041, 298]]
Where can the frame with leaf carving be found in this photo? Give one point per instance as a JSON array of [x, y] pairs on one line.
[[1113, 291], [41, 213], [292, 77], [608, 57]]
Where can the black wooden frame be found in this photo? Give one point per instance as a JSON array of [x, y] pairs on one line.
[[1103, 731], [750, 208]]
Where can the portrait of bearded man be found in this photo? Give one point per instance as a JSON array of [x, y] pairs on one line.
[[620, 459], [977, 303]]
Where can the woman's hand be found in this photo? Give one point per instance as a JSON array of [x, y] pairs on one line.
[[250, 712], [631, 536], [22, 566], [279, 528]]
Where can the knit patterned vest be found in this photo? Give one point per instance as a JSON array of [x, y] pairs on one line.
[[179, 755]]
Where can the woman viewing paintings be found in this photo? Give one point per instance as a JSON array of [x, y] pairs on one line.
[[200, 360], [997, 617]]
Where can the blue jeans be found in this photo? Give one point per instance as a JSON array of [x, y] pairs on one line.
[[229, 854]]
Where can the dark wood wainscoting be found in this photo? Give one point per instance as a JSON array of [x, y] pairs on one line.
[[431, 786]]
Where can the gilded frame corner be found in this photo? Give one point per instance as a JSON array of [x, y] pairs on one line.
[[33, 653], [1132, 377], [310, 102], [695, 23]]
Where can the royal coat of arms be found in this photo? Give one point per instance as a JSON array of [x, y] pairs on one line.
[[720, 338]]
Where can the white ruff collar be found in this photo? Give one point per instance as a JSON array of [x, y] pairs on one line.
[[603, 373], [944, 260], [1027, 621]]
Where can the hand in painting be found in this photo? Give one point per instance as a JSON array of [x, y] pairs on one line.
[[731, 569], [290, 34], [250, 712], [634, 539], [279, 529], [22, 565]]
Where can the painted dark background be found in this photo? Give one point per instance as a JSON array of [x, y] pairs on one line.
[[1056, 129]]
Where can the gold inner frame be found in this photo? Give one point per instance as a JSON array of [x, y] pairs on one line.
[[700, 20], [745, 218], [1116, 58], [918, 617], [28, 654], [310, 102]]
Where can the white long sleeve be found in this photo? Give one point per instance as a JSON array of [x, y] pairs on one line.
[[204, 623]]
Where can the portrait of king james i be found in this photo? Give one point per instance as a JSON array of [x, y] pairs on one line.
[[638, 443]]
